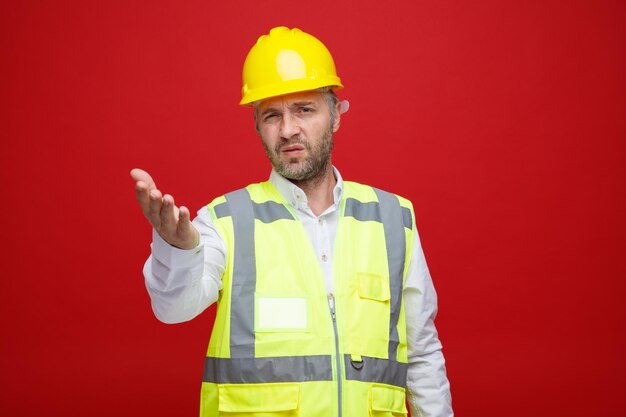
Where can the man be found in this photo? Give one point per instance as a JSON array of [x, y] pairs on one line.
[[325, 303]]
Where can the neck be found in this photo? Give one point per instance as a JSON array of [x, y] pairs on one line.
[[319, 190]]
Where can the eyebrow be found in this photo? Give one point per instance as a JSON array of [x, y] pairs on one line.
[[294, 104], [302, 103]]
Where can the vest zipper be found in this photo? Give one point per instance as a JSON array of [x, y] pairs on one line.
[[331, 304]]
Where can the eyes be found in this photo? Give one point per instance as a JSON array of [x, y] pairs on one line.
[[272, 116]]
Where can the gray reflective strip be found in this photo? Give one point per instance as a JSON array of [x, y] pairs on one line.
[[244, 275], [370, 211], [266, 212], [260, 370], [271, 211], [395, 240], [407, 218], [377, 370], [243, 211], [394, 219], [222, 210], [362, 211]]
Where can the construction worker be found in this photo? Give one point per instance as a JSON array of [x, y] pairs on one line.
[[325, 303]]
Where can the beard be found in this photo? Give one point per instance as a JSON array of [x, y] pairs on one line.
[[308, 169]]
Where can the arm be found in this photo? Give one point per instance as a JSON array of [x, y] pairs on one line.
[[183, 283], [183, 274], [428, 388]]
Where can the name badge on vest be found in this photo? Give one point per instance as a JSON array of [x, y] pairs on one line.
[[281, 314]]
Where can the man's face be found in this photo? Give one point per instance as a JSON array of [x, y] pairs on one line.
[[297, 134]]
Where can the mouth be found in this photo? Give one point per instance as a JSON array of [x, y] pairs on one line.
[[292, 150]]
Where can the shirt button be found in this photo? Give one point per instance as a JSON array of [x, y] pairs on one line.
[[324, 258], [320, 222]]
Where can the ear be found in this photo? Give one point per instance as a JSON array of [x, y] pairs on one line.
[[255, 117], [337, 122]]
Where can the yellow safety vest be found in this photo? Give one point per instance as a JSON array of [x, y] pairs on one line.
[[277, 348]]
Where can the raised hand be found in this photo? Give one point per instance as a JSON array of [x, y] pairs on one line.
[[171, 223]]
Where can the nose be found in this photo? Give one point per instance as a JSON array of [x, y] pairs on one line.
[[289, 126]]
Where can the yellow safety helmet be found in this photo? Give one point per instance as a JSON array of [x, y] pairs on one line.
[[286, 61]]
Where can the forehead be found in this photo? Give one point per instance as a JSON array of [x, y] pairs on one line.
[[291, 99]]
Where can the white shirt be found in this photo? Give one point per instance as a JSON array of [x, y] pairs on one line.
[[183, 283]]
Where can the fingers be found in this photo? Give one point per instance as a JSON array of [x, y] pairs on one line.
[[143, 185], [183, 216], [172, 223], [140, 175], [185, 229], [169, 214], [182, 228], [142, 193], [184, 222], [154, 209]]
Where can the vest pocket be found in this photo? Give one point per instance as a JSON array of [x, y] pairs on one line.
[[267, 400], [386, 401], [367, 324], [373, 287]]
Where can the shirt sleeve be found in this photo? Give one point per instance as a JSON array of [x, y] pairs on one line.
[[183, 283], [428, 388]]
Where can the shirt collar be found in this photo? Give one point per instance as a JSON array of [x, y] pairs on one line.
[[294, 194]]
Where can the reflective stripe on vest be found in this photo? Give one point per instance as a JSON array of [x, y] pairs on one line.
[[276, 369], [377, 370], [395, 241], [388, 212], [243, 366]]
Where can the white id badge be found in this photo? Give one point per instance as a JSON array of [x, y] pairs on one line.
[[283, 314]]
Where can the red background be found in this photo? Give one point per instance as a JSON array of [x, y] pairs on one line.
[[504, 123]]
